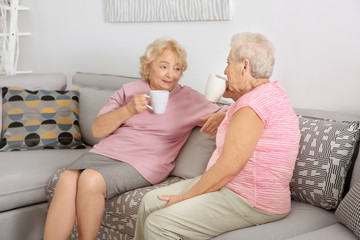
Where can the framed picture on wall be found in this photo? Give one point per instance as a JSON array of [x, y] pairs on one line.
[[166, 10]]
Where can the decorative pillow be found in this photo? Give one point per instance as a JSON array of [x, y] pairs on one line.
[[325, 152], [348, 212], [40, 119]]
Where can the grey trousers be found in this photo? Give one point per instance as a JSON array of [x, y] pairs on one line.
[[201, 217]]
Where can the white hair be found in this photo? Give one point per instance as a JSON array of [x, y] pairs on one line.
[[257, 49]]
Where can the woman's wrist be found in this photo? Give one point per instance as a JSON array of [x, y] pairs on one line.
[[130, 112]]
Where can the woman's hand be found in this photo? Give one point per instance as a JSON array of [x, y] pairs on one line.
[[109, 122], [171, 199], [137, 104], [212, 123]]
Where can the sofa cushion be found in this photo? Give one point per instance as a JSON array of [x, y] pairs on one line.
[[94, 96], [302, 218], [25, 223], [325, 153], [348, 212], [354, 177], [29, 172], [355, 174], [332, 232], [49, 81], [41, 119], [194, 155], [89, 107]]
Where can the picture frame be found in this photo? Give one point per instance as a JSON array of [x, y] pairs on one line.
[[122, 11]]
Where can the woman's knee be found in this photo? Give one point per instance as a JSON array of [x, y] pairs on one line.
[[151, 202], [149, 196], [67, 184], [92, 181], [69, 177]]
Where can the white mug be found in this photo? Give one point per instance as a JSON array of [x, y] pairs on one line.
[[159, 100], [215, 87]]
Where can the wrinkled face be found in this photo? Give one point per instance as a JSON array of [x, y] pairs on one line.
[[233, 73], [165, 71]]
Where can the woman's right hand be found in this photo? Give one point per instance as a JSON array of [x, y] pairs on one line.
[[109, 122], [137, 104]]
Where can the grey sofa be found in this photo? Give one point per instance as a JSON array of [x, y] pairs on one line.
[[28, 178]]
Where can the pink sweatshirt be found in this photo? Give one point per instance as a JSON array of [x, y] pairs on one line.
[[264, 181], [151, 142]]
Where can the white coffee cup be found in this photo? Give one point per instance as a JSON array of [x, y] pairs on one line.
[[159, 100], [215, 87]]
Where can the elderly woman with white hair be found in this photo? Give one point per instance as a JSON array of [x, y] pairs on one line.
[[247, 178]]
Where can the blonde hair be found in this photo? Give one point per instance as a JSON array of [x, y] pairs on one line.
[[257, 49], [156, 48]]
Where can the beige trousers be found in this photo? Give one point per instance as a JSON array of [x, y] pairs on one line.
[[201, 217]]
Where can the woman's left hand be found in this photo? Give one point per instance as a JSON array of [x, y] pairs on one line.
[[171, 199], [213, 121]]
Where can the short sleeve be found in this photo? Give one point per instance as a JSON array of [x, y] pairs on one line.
[[114, 102], [261, 100]]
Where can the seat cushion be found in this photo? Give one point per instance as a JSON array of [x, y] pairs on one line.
[[26, 223], [303, 218], [332, 232], [24, 175]]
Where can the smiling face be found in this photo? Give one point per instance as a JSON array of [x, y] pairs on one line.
[[165, 71]]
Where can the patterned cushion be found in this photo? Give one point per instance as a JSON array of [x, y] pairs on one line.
[[40, 119], [348, 212], [120, 212], [325, 153]]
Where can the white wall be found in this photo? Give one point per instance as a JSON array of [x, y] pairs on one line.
[[317, 42]]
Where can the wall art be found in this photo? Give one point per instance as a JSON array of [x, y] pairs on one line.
[[166, 10]]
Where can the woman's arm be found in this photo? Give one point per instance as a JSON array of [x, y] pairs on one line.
[[212, 122], [244, 131], [109, 122]]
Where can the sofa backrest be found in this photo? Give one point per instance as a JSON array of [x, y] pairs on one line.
[[95, 89], [47, 81]]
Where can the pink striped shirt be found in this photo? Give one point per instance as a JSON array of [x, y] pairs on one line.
[[264, 181]]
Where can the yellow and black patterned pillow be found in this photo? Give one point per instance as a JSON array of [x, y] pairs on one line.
[[40, 119]]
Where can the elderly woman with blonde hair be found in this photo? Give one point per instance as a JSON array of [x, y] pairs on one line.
[[138, 147], [247, 178]]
